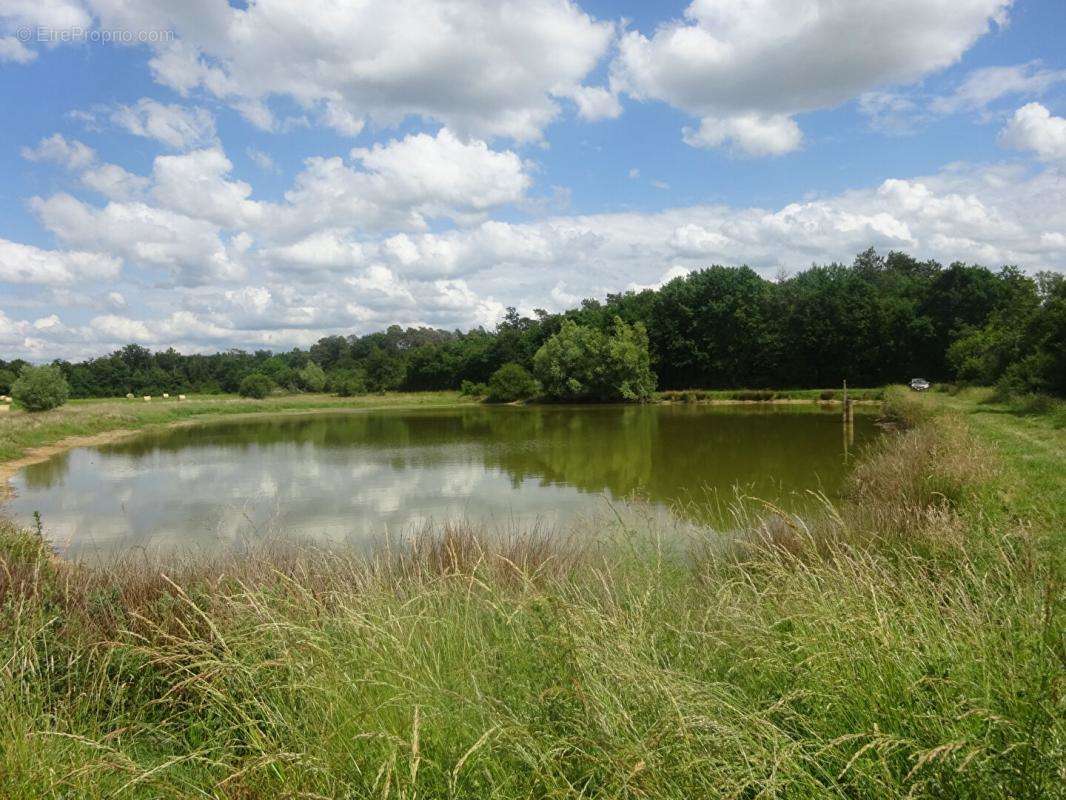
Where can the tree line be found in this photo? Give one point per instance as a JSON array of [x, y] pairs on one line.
[[880, 319]]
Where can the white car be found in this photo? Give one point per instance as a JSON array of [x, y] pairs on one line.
[[919, 384]]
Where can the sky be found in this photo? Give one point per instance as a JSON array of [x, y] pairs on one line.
[[260, 174]]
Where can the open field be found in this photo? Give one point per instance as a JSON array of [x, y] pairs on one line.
[[906, 644]]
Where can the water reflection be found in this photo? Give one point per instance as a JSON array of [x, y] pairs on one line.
[[349, 476], [47, 473]]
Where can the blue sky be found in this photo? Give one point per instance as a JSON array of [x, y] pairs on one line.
[[262, 174]]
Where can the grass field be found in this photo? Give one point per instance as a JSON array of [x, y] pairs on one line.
[[1033, 446], [909, 643]]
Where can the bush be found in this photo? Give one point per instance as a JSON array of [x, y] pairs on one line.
[[385, 371], [828, 394], [1033, 403], [7, 380], [40, 388], [583, 363], [312, 377], [257, 386], [347, 383], [757, 395], [472, 389], [511, 382]]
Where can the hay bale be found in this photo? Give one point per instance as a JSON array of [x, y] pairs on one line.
[[181, 397], [166, 396], [148, 398], [129, 395]]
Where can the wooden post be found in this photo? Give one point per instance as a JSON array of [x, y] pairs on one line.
[[849, 416]]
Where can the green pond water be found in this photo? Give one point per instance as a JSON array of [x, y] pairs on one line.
[[354, 477]]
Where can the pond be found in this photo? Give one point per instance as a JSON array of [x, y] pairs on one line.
[[356, 476]]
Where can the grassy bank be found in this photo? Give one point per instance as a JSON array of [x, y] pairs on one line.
[[21, 431], [906, 644]]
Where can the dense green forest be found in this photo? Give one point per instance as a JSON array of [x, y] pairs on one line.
[[879, 320]]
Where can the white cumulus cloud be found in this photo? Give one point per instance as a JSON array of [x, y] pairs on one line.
[[1034, 128], [22, 263], [190, 250], [745, 68], [752, 134], [481, 67], [72, 154], [402, 184], [178, 127]]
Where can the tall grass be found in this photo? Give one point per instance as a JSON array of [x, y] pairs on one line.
[[907, 644]]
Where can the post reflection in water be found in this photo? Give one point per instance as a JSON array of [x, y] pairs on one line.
[[350, 476]]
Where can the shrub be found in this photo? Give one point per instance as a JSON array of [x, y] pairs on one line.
[[285, 378], [472, 389], [256, 385], [385, 371], [511, 382], [950, 389], [312, 377], [583, 363], [347, 383], [40, 388], [828, 394], [1033, 403], [757, 395], [7, 380]]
